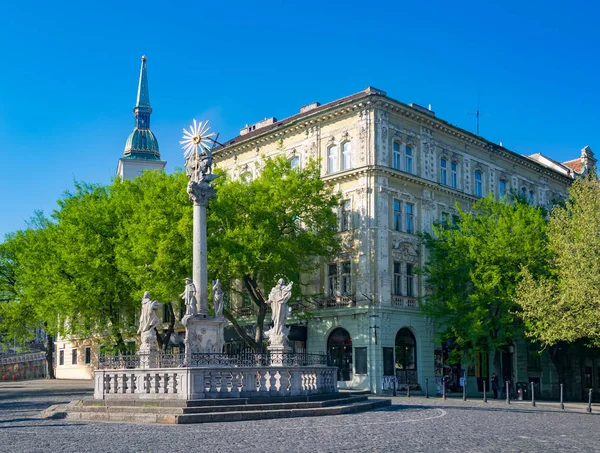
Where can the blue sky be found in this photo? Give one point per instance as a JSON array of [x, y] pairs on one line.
[[68, 75]]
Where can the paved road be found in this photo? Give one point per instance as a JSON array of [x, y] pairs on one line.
[[410, 425]]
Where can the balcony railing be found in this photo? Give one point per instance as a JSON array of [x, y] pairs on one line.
[[403, 301], [337, 301]]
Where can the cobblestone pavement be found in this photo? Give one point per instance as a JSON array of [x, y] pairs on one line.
[[409, 425]]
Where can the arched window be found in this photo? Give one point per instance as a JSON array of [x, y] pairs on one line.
[[332, 159], [454, 175], [443, 171], [408, 159], [406, 357], [478, 188], [396, 156], [339, 351], [346, 156], [502, 188]]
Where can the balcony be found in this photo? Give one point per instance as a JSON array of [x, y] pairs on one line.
[[336, 302], [403, 301]]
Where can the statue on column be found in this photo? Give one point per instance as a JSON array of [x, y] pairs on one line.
[[280, 310], [217, 298], [189, 297]]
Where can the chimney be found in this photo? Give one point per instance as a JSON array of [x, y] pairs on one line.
[[309, 107]]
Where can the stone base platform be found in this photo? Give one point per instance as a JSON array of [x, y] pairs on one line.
[[212, 410]]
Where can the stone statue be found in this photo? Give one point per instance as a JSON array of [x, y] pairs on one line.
[[148, 319], [198, 166], [280, 311], [217, 297], [189, 297]]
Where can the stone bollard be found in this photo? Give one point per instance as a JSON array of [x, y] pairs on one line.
[[484, 393], [426, 387], [507, 392], [443, 389], [562, 404], [408, 390], [589, 408], [532, 394], [464, 389]]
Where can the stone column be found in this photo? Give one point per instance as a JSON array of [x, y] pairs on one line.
[[200, 193]]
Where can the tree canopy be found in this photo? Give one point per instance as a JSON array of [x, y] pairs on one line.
[[564, 306], [83, 271], [473, 269]]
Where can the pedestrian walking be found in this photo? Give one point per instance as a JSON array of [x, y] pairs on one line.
[[495, 385]]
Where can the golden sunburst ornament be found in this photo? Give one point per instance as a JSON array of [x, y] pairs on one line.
[[196, 137]]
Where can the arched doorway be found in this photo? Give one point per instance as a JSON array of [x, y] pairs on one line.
[[406, 357], [339, 350]]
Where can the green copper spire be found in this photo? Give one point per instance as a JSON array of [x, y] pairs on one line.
[[141, 143]]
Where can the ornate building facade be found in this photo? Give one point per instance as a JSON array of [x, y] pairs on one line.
[[399, 169]]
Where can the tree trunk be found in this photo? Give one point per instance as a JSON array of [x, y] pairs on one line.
[[171, 327], [50, 358]]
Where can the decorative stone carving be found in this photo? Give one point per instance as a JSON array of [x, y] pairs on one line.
[[189, 298], [148, 321], [217, 298]]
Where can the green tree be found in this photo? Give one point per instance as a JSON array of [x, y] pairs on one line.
[[473, 269], [562, 309], [279, 224]]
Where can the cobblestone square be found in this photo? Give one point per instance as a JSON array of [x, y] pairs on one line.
[[409, 425]]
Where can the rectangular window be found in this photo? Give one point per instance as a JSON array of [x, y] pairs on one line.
[[332, 159], [408, 163], [345, 215], [409, 218], [73, 356], [61, 357], [445, 219], [502, 188], [454, 175], [346, 279], [443, 172], [397, 278], [360, 354], [478, 189], [346, 156], [410, 292], [397, 215], [332, 280], [396, 156], [88, 355]]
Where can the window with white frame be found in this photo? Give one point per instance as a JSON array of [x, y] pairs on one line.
[[88, 355], [396, 156], [502, 188], [408, 159], [61, 357], [295, 162], [397, 288], [345, 214], [346, 156], [443, 171], [332, 159], [73, 356], [346, 288], [478, 186], [397, 215], [409, 218], [454, 175], [332, 280], [410, 281]]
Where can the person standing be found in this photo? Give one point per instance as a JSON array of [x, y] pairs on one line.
[[495, 385]]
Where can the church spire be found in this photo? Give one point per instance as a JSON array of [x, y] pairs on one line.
[[142, 108]]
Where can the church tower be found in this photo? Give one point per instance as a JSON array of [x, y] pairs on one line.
[[141, 149]]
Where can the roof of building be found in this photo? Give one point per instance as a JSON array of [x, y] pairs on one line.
[[574, 164]]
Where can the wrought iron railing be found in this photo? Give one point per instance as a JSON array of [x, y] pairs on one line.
[[244, 359]]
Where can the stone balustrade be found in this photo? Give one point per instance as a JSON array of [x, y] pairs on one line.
[[214, 382]]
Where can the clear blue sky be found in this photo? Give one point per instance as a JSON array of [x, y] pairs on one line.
[[68, 75]]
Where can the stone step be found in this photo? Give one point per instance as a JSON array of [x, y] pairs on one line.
[[108, 415], [208, 409]]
